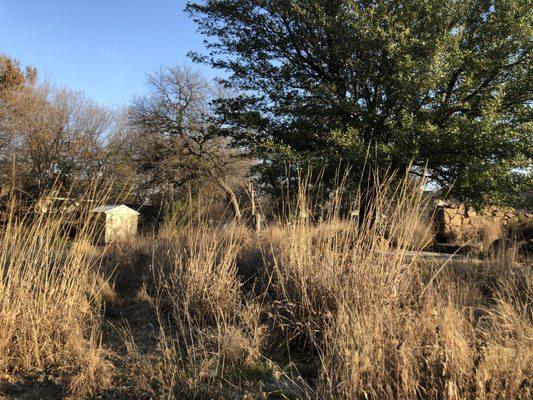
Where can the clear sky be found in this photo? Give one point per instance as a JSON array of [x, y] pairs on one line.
[[104, 48]]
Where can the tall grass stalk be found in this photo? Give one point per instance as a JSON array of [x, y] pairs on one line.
[[50, 300]]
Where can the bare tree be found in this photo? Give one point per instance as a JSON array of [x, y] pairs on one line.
[[49, 136], [13, 80], [177, 137]]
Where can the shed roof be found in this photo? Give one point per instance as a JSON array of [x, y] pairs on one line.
[[115, 209]]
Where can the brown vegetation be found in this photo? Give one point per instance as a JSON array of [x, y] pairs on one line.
[[48, 136], [298, 310]]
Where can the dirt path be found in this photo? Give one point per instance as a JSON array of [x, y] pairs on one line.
[[431, 256]]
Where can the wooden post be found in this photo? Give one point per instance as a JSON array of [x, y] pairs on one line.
[[255, 214]]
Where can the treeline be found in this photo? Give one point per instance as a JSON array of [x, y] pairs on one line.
[[435, 90], [162, 146], [48, 135]]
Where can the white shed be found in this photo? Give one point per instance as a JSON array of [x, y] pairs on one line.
[[116, 222]]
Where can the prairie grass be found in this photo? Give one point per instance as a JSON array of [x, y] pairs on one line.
[[299, 310], [50, 303], [326, 311]]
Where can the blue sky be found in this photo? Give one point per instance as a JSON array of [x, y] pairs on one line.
[[104, 48]]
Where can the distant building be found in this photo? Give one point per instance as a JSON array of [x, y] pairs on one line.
[[116, 222]]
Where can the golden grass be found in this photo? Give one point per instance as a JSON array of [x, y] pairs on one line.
[[50, 300], [300, 310]]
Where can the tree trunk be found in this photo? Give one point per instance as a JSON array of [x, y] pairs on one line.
[[368, 194], [231, 197]]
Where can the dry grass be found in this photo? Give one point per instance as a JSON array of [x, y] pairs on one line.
[[299, 311], [50, 301]]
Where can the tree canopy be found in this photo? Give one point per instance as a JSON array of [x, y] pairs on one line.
[[48, 136], [173, 138], [439, 84]]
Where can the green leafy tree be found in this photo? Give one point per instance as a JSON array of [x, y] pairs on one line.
[[439, 84]]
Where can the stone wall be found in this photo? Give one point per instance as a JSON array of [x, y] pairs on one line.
[[460, 224]]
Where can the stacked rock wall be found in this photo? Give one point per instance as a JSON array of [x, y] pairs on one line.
[[460, 224]]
